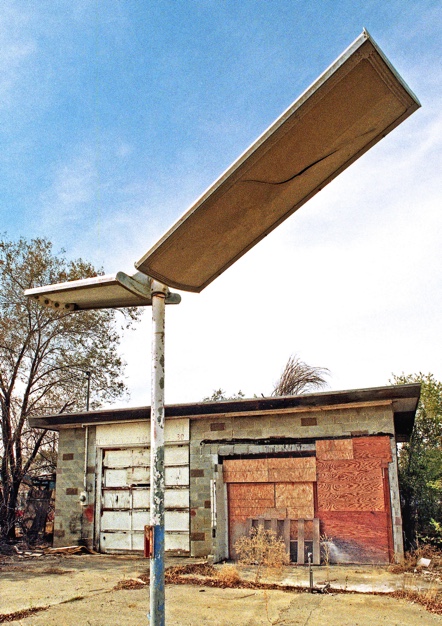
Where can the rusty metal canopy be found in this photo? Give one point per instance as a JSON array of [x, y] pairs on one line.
[[352, 105], [101, 292]]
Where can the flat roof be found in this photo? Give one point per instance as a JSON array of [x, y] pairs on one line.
[[402, 398]]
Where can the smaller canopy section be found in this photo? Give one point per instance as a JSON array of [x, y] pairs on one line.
[[101, 292]]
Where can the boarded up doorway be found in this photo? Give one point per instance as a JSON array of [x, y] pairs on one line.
[[270, 489]]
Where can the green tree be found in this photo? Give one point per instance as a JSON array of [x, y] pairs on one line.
[[219, 395], [44, 355], [420, 461]]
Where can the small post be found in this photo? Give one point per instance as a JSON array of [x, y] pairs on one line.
[[310, 572], [157, 482], [88, 390]]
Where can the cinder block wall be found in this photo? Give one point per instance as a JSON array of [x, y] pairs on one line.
[[73, 520], [226, 435]]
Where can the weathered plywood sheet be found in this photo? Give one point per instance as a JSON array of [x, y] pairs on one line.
[[245, 471], [372, 448], [333, 471], [350, 485], [248, 501], [297, 498], [246, 477], [292, 470], [351, 497], [240, 492], [356, 537], [334, 449]]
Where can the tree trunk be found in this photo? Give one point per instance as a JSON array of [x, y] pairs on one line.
[[8, 507]]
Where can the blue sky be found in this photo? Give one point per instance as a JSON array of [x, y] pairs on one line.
[[116, 115]]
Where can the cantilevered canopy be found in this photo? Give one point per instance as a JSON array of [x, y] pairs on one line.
[[355, 103], [102, 292]]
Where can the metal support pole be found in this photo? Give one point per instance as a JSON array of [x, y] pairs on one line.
[[88, 390], [157, 604]]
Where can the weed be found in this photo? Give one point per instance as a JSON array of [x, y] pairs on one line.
[[326, 542], [228, 575], [262, 548]]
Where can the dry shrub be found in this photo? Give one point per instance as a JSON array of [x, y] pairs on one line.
[[431, 598], [228, 575], [411, 559], [262, 548]]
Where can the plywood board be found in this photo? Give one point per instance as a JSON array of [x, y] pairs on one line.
[[245, 471], [332, 471], [251, 500], [297, 498], [246, 477], [356, 537], [243, 493], [302, 469], [290, 470], [351, 485], [372, 448], [334, 449], [351, 496], [246, 465]]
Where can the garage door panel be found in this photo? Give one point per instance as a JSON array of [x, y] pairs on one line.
[[176, 475], [176, 455], [176, 520], [176, 541], [177, 498], [140, 519], [115, 541], [136, 475], [117, 458], [140, 498], [118, 499], [115, 520], [115, 477], [173, 498], [141, 456]]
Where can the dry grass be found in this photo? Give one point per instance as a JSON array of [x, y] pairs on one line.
[[410, 563], [228, 575], [262, 548], [421, 585], [431, 598]]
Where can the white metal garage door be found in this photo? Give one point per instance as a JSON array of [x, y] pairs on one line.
[[124, 502]]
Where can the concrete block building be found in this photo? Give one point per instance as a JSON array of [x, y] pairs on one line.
[[314, 468]]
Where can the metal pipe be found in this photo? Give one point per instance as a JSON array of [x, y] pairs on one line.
[[88, 390], [86, 433], [157, 482]]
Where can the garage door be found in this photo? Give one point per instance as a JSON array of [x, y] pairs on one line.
[[125, 495]]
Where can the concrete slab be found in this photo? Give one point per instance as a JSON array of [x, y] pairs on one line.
[[80, 590]]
